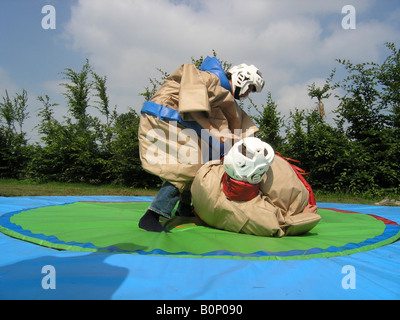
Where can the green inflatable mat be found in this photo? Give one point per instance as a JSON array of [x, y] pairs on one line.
[[113, 227]]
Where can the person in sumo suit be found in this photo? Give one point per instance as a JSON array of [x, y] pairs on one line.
[[189, 103], [253, 191]]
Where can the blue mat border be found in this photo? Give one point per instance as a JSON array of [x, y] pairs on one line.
[[5, 221], [107, 276]]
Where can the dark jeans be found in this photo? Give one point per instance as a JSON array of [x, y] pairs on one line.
[[165, 201]]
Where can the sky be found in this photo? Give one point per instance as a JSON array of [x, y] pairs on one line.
[[293, 42]]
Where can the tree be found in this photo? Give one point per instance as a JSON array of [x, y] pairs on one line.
[[389, 78], [269, 121], [296, 146], [361, 105], [77, 92], [321, 93], [124, 166], [326, 153], [14, 149], [71, 151], [368, 112], [359, 154]]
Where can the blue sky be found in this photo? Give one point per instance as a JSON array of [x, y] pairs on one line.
[[29, 54], [293, 42]]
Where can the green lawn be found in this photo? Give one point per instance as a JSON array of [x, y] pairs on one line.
[[16, 188]]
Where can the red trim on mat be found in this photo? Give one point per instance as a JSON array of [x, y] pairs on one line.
[[384, 220]]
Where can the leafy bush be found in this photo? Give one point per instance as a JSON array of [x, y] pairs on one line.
[[360, 154]]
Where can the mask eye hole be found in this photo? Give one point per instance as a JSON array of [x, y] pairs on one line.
[[246, 152]]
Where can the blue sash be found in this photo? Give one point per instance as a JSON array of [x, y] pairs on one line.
[[168, 114], [213, 65]]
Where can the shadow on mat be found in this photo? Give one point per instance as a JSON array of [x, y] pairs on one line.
[[76, 278]]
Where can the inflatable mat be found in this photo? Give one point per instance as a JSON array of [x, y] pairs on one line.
[[112, 227], [97, 252]]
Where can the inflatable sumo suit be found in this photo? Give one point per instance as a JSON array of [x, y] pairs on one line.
[[272, 208], [165, 118]]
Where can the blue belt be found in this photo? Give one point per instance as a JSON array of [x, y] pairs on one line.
[[213, 65], [169, 114]]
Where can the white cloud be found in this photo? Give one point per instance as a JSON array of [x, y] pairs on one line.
[[360, 45], [294, 43], [291, 42], [6, 83], [296, 96]]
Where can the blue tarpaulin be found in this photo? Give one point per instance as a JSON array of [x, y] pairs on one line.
[[373, 274]]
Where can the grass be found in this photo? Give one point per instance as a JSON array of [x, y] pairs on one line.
[[17, 188], [343, 198], [367, 198]]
